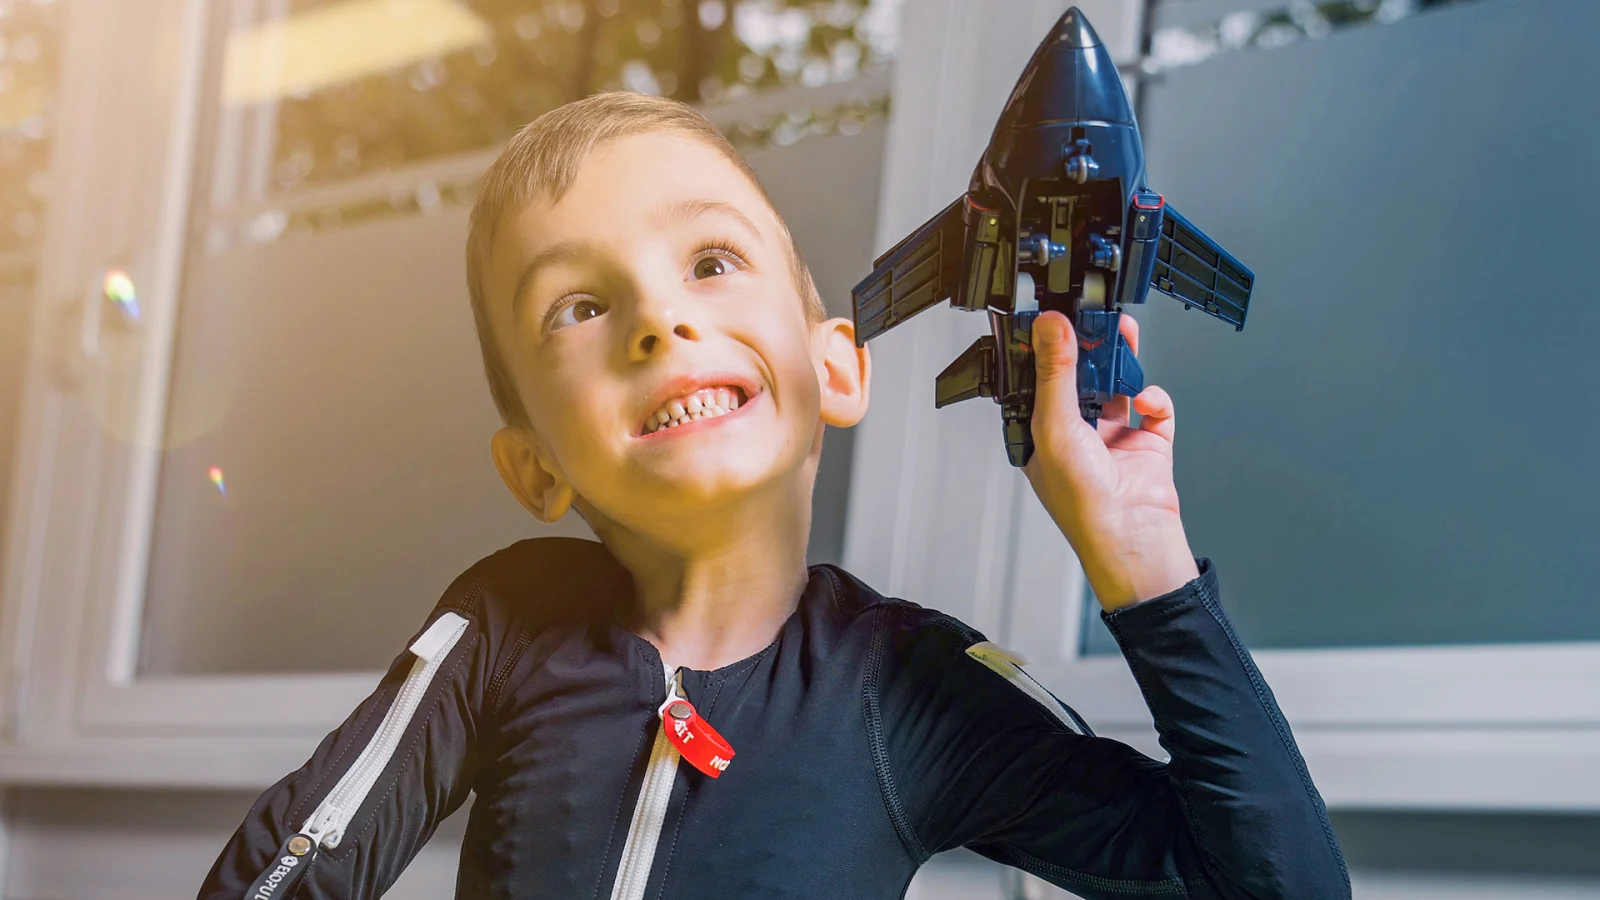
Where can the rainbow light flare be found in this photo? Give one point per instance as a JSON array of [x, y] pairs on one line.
[[119, 290], [215, 474]]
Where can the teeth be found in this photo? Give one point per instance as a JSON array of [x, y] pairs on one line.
[[703, 404]]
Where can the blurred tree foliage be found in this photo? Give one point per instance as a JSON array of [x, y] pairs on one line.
[[543, 53], [30, 43]]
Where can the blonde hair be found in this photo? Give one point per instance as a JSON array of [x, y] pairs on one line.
[[542, 161]]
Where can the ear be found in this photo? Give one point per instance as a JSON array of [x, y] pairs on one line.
[[844, 372], [531, 474]]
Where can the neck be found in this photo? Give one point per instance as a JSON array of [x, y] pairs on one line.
[[718, 590]]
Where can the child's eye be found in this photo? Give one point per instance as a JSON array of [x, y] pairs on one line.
[[575, 312], [711, 267], [716, 259]]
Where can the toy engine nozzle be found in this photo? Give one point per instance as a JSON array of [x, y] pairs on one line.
[[1073, 30]]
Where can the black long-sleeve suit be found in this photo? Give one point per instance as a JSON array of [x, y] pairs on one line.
[[867, 738]]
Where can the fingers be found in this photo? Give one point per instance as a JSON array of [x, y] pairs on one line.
[[1055, 397], [1117, 410], [1159, 415], [1055, 350], [1130, 332]]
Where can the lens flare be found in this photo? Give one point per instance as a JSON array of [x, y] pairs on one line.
[[216, 479], [119, 290]]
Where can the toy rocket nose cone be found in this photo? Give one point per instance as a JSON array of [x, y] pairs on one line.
[[1072, 30]]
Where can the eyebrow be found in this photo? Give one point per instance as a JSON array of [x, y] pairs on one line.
[[684, 210], [659, 216], [555, 254]]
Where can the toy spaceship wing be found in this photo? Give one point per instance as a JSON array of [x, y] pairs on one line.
[[1196, 270], [920, 271]]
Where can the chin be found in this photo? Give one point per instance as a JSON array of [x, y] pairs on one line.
[[717, 476]]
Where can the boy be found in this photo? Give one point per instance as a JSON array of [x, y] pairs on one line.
[[685, 710]]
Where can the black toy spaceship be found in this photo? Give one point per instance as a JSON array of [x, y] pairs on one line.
[[1057, 216]]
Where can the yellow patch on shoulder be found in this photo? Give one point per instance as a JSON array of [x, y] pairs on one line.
[[984, 651]]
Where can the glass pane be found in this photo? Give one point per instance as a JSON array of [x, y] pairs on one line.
[[1397, 449], [326, 471]]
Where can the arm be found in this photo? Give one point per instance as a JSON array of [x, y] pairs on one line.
[[1234, 814], [324, 831], [979, 763]]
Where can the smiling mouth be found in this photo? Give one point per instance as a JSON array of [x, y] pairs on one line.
[[706, 403]]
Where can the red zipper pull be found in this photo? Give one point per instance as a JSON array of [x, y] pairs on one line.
[[694, 737]]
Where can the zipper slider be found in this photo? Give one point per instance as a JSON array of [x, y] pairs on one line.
[[326, 825], [316, 833], [285, 869], [688, 731], [325, 828]]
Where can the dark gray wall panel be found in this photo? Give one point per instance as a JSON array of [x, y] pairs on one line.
[[1400, 446]]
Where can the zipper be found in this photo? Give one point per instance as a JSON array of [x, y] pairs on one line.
[[1009, 666], [325, 827], [650, 813]]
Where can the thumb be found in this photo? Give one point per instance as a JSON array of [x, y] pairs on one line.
[[1055, 358]]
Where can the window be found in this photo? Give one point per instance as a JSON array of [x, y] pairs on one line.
[[270, 457], [1399, 544]]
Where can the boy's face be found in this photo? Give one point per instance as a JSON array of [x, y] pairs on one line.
[[661, 271]]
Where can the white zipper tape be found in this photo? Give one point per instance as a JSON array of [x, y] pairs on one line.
[[329, 820], [649, 814], [440, 637], [1009, 665]]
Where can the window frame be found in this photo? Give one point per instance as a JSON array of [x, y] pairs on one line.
[[80, 517]]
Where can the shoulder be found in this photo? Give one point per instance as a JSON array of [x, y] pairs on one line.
[[909, 633], [903, 632], [915, 652], [533, 589], [929, 664], [856, 599], [943, 706], [539, 583]]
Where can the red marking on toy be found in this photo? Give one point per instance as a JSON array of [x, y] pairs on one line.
[[1160, 202]]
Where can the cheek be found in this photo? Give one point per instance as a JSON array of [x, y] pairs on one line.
[[567, 407], [799, 377]]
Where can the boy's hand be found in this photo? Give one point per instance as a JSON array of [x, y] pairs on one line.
[[1110, 490]]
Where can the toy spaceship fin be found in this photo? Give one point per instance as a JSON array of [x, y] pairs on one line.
[[1194, 269], [916, 273], [971, 375]]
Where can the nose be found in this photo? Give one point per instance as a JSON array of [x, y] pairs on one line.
[[658, 317]]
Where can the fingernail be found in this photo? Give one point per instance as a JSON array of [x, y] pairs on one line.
[[1047, 329]]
